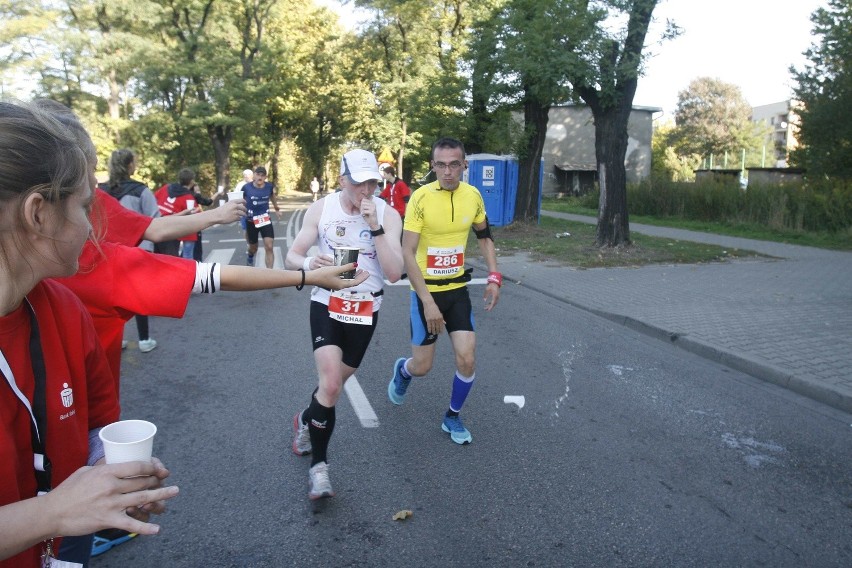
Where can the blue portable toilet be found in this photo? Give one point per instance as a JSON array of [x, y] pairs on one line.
[[496, 177], [487, 172], [512, 189]]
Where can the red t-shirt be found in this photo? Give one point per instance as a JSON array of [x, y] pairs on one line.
[[73, 360], [115, 223], [171, 205], [395, 194], [117, 282]]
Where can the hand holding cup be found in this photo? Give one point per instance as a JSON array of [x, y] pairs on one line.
[[331, 277], [128, 440], [346, 255]]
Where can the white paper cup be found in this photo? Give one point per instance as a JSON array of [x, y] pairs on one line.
[[190, 204], [235, 195], [345, 255], [221, 202], [128, 440]]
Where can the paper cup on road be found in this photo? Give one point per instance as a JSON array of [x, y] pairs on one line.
[[345, 255], [128, 440]]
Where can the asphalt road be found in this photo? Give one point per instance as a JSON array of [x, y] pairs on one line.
[[626, 452]]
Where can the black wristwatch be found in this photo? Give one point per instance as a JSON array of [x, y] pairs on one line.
[[379, 231]]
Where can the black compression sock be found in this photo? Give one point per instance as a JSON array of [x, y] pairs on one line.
[[320, 427]]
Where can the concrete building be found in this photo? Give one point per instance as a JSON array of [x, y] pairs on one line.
[[782, 119], [570, 165], [775, 176]]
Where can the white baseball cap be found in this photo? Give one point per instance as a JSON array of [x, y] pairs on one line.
[[247, 173], [360, 165]]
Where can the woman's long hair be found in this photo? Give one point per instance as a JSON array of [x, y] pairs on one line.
[[119, 167]]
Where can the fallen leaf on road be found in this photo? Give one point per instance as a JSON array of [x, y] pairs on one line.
[[402, 515]]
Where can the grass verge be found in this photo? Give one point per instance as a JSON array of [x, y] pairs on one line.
[[578, 249], [826, 240]]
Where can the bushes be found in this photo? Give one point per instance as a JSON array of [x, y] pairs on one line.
[[816, 205]]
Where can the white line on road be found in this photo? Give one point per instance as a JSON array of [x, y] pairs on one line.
[[293, 226], [405, 282], [222, 256], [260, 258], [360, 403]]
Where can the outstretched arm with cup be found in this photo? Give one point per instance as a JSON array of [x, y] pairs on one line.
[[247, 278], [89, 500], [173, 227]]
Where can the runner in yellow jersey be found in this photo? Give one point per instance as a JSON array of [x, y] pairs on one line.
[[438, 220]]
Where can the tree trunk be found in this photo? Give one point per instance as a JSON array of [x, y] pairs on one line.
[[321, 153], [113, 102], [402, 148], [610, 150], [526, 200], [114, 105], [479, 117], [220, 136], [276, 157]]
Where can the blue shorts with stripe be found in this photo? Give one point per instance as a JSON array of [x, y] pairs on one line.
[[455, 307]]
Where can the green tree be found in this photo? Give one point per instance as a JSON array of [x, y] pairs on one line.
[[570, 49], [21, 44], [607, 82], [313, 98], [418, 83], [713, 119], [483, 66], [666, 163], [824, 88], [520, 57], [203, 75]]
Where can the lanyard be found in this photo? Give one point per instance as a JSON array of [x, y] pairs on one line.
[[38, 409]]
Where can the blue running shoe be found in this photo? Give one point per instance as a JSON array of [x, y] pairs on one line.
[[249, 260], [398, 385], [453, 426], [106, 539]]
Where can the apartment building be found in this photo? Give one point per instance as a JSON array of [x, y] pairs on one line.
[[782, 119]]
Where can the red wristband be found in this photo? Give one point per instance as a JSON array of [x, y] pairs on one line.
[[495, 278]]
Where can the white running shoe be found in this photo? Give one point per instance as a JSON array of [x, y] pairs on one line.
[[146, 345], [318, 482], [301, 437]]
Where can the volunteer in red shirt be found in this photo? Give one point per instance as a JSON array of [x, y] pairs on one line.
[[56, 389], [396, 192], [178, 198], [115, 278], [112, 282]]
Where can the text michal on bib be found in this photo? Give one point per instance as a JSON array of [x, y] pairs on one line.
[[348, 307]]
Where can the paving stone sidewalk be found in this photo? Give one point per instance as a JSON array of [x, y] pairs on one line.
[[787, 320]]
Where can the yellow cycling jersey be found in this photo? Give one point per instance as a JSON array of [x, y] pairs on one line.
[[443, 219]]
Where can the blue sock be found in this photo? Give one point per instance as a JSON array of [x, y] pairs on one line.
[[461, 387], [404, 370]]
